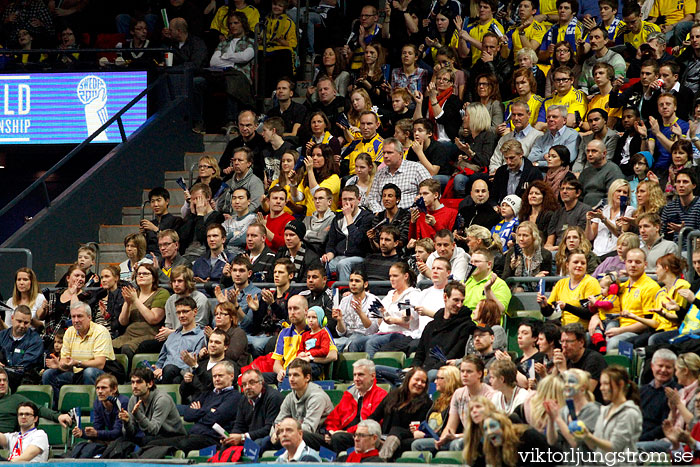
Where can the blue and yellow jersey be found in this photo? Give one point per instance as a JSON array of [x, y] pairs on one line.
[[477, 31], [574, 101], [280, 28], [614, 30], [374, 147], [603, 102], [635, 40], [534, 31], [534, 104], [287, 345], [571, 33], [673, 10], [454, 43]]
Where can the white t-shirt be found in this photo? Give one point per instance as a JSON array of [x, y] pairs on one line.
[[392, 308], [40, 299], [34, 437], [606, 241], [432, 299]]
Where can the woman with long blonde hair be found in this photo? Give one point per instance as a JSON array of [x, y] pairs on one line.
[[359, 102], [575, 386], [25, 292], [448, 380], [479, 407], [533, 410], [365, 170], [601, 226], [650, 198], [574, 238]]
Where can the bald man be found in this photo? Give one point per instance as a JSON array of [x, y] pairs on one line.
[[477, 209], [598, 174]]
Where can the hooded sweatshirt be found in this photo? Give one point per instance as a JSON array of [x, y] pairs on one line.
[[623, 427]]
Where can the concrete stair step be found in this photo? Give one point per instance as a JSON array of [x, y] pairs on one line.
[[111, 247], [175, 174], [131, 215], [116, 233], [177, 196], [215, 147], [215, 138], [113, 256]]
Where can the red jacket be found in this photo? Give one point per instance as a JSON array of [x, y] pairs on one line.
[[356, 457], [346, 409], [277, 226], [445, 218]]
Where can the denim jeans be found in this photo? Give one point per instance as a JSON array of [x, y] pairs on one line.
[[375, 342], [614, 342], [258, 344], [57, 378], [662, 337], [344, 265], [314, 19]]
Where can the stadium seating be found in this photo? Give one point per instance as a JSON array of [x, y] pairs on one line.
[[41, 395], [76, 395]]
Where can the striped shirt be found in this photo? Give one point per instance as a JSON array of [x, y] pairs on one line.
[[407, 177], [674, 212], [96, 343]]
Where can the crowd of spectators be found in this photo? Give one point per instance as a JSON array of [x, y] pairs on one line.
[[459, 152]]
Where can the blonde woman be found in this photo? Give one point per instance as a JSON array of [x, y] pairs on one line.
[[601, 227], [505, 442], [527, 257], [532, 411], [574, 238], [575, 384], [476, 141], [650, 200], [478, 237], [478, 408], [25, 292], [364, 175], [448, 380]]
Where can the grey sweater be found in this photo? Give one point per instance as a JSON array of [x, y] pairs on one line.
[[597, 181], [622, 427], [312, 408], [156, 415]]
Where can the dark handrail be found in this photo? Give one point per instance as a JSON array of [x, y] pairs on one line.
[[25, 251], [41, 181]]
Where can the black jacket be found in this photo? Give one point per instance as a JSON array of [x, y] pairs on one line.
[[500, 181], [356, 242], [201, 382], [684, 97], [450, 335], [478, 214], [500, 67], [257, 420], [450, 119]]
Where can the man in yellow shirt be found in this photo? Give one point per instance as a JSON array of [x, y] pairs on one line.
[[371, 143], [474, 34], [635, 31], [638, 297], [530, 31], [678, 14], [250, 12], [565, 94]]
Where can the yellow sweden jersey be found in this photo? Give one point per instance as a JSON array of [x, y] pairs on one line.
[[638, 39], [477, 31], [574, 100]]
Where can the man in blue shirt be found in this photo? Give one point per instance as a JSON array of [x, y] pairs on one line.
[[187, 338], [21, 347]]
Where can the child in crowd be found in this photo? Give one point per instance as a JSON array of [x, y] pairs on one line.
[[641, 164], [53, 357], [424, 248], [317, 341], [605, 308], [86, 260], [505, 229]]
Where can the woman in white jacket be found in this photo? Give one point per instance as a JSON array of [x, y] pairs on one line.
[[620, 422]]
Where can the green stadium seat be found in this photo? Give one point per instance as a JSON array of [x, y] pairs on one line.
[[76, 395], [335, 395], [151, 358], [393, 359], [386, 386], [173, 390], [619, 360], [125, 390], [179, 454], [55, 432], [40, 394], [342, 386], [409, 360], [448, 457], [268, 456], [415, 457], [123, 360], [344, 366]]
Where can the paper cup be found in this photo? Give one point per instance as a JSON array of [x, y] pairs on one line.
[[168, 59]]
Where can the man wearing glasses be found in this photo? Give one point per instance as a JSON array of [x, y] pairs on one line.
[[256, 412], [366, 438], [573, 100], [574, 354], [28, 444]]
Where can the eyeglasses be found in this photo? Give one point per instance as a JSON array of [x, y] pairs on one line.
[[361, 435], [206, 166], [366, 16], [444, 80], [250, 383], [220, 314], [143, 273], [483, 84], [165, 244], [561, 80], [567, 341]]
